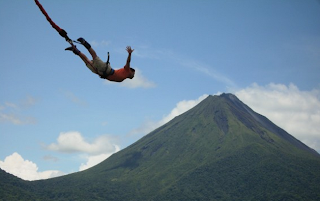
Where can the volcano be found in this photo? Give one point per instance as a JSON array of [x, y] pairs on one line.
[[218, 150]]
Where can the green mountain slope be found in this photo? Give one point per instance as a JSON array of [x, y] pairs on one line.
[[218, 150], [14, 188]]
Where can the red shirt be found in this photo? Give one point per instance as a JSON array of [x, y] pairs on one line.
[[119, 75]]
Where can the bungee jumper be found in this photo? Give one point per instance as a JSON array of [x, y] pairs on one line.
[[103, 69], [96, 65]]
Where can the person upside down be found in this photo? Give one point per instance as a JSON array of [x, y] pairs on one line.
[[103, 69]]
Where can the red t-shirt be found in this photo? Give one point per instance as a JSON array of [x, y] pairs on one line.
[[119, 75]]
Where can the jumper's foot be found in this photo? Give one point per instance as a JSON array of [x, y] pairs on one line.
[[73, 49], [84, 43]]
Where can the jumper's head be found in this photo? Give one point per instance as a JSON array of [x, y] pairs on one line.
[[132, 72]]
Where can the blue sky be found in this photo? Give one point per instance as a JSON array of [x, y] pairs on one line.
[[57, 117]]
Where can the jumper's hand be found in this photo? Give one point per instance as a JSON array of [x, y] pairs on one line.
[[129, 50]]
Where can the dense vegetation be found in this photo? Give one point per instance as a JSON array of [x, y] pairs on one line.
[[219, 150]]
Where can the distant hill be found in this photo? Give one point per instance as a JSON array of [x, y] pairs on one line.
[[219, 150]]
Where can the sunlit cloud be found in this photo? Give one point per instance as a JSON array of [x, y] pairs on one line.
[[25, 169], [139, 81], [96, 159], [73, 142], [93, 152]]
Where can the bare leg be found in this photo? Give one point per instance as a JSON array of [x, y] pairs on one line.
[[88, 62], [92, 52], [88, 46], [85, 59]]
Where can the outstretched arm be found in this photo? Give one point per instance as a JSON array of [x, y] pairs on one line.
[[129, 50]]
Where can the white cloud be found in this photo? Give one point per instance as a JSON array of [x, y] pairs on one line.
[[296, 111], [25, 169], [139, 81], [94, 160], [180, 108], [73, 142], [70, 142], [94, 152]]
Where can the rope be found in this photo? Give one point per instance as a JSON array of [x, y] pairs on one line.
[[62, 32]]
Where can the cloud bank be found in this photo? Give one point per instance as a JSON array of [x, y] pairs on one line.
[[73, 142], [70, 143], [94, 152], [96, 159], [25, 169], [139, 81]]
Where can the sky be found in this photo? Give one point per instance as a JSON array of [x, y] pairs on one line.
[[57, 117]]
